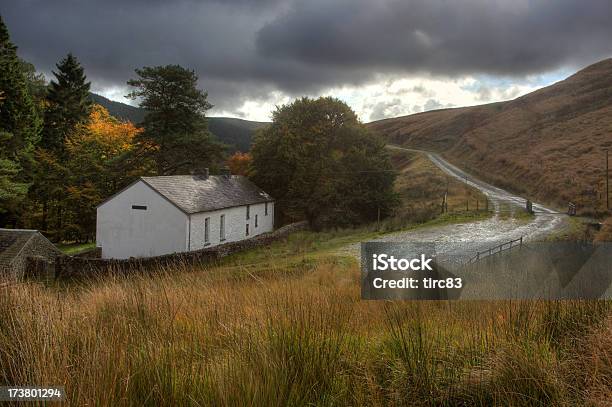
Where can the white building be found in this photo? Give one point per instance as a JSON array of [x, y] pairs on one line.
[[170, 214]]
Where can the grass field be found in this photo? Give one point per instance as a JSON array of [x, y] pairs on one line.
[[75, 248], [285, 325], [292, 330]]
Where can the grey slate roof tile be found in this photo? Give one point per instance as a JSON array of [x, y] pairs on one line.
[[193, 194], [11, 243]]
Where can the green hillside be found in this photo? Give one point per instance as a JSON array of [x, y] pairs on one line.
[[120, 110], [548, 144], [236, 133]]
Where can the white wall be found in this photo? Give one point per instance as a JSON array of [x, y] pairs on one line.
[[235, 224], [123, 232]]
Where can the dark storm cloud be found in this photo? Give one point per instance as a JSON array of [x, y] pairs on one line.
[[246, 49], [112, 38], [441, 36]]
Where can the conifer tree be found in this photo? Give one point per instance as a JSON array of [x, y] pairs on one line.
[[175, 136], [69, 104], [20, 128], [68, 108]]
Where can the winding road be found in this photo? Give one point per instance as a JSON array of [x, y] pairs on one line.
[[461, 241]]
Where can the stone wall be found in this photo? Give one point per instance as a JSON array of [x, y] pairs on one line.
[[40, 268], [72, 266], [37, 246], [94, 253]]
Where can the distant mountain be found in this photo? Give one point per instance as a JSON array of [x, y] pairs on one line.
[[236, 133], [549, 144], [120, 110]]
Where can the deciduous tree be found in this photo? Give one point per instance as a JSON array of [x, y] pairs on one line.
[[320, 163], [239, 163], [95, 170]]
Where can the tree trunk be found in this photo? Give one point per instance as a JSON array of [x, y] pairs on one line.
[[44, 216]]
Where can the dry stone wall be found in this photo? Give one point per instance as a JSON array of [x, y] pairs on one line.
[[74, 266]]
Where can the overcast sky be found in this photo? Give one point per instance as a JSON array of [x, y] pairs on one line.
[[385, 58]]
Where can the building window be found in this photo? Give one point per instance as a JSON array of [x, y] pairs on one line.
[[247, 229], [255, 220], [266, 209], [222, 228], [248, 212], [139, 207], [207, 230]]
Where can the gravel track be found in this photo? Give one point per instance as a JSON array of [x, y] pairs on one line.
[[461, 241]]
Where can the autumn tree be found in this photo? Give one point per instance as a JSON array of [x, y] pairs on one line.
[[239, 163], [20, 127], [175, 136], [320, 163], [95, 151]]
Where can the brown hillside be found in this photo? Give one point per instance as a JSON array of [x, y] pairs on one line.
[[547, 145]]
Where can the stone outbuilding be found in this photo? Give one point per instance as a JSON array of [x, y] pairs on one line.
[[17, 245]]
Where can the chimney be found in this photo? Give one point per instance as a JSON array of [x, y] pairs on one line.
[[200, 173]]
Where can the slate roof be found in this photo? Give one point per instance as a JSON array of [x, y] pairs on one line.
[[193, 193], [11, 243]]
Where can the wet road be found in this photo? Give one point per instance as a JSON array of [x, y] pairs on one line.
[[461, 241]]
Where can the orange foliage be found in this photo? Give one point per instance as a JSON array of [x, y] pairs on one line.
[[111, 135], [239, 163]]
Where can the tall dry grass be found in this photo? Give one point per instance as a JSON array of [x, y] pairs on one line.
[[261, 336], [605, 234]]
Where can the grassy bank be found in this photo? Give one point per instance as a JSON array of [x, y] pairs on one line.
[[75, 248], [295, 332], [422, 186]]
